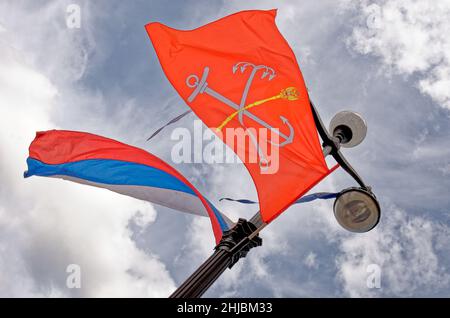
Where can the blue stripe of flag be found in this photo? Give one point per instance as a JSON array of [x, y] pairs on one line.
[[115, 172]]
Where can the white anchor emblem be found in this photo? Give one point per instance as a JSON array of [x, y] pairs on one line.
[[201, 86]]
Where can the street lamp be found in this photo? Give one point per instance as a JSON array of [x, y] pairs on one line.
[[349, 127], [356, 209]]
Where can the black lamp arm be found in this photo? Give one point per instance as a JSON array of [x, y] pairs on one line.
[[334, 144]]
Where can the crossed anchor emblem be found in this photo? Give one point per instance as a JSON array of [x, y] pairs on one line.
[[201, 86]]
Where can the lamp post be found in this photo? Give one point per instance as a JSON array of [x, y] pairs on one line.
[[356, 209]]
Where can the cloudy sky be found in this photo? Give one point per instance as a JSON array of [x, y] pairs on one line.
[[388, 60]]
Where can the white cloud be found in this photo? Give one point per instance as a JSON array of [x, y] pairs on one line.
[[46, 224], [405, 248], [40, 33], [411, 38]]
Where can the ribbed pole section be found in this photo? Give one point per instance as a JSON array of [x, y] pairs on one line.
[[234, 245], [199, 282]]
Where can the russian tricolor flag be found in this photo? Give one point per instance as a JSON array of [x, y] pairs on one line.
[[102, 162]]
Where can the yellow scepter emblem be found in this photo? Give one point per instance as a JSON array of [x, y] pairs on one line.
[[289, 93]]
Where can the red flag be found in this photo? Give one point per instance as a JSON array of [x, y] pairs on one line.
[[240, 73]]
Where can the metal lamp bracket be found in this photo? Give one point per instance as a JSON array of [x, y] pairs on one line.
[[334, 144]]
